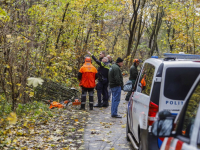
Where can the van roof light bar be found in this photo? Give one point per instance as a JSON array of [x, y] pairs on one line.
[[169, 58], [154, 56], [182, 56]]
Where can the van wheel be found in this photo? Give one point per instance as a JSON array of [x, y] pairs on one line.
[[140, 142], [127, 129]]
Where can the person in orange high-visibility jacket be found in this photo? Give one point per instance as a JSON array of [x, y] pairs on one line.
[[87, 76], [143, 82]]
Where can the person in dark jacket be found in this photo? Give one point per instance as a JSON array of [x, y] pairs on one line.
[[109, 59], [133, 76], [116, 85], [102, 84], [102, 55], [111, 62], [87, 75]]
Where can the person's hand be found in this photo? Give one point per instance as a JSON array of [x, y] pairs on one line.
[[89, 53]]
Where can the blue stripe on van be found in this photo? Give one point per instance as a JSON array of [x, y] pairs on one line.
[[174, 114], [159, 143]]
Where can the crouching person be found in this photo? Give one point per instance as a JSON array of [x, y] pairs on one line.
[[87, 75]]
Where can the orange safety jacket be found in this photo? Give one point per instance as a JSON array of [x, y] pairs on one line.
[[88, 72], [143, 82]]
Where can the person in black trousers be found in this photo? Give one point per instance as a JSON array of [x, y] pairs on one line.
[[102, 84]]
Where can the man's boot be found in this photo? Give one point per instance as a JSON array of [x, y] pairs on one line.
[[105, 104], [98, 105], [91, 106], [82, 107], [83, 100]]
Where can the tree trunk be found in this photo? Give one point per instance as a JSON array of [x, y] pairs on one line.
[[61, 28], [155, 31], [132, 25], [116, 37]]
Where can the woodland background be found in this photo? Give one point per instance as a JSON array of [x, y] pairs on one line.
[[49, 38]]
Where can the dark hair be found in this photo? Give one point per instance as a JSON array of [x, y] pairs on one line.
[[103, 52], [119, 60]]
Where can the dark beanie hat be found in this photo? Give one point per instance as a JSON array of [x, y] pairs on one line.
[[119, 60]]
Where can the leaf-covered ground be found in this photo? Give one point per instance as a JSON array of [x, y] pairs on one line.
[[67, 128], [64, 130]]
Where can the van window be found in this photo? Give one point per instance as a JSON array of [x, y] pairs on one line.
[[178, 82], [191, 112], [155, 94], [145, 81]]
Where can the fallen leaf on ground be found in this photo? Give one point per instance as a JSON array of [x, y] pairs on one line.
[[12, 118], [123, 126], [81, 130]]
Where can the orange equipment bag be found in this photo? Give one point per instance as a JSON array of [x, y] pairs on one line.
[[55, 104], [76, 102]]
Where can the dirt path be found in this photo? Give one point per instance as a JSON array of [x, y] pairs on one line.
[[104, 132]]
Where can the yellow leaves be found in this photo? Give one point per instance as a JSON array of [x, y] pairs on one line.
[[8, 36], [69, 68], [106, 125], [20, 132], [53, 53], [112, 148], [14, 141], [9, 83], [25, 124], [12, 118], [8, 141], [123, 126], [26, 40], [1, 120], [68, 54], [18, 84], [3, 15], [39, 11], [81, 130], [123, 2], [18, 38], [31, 94], [101, 1], [76, 120]]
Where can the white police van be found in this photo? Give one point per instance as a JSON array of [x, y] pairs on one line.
[[186, 135], [168, 81]]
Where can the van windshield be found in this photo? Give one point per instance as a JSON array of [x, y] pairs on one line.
[[178, 82]]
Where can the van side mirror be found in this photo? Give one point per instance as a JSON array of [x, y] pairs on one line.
[[163, 127], [164, 114]]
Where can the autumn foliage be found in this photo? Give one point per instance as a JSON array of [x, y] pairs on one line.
[[49, 39]]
